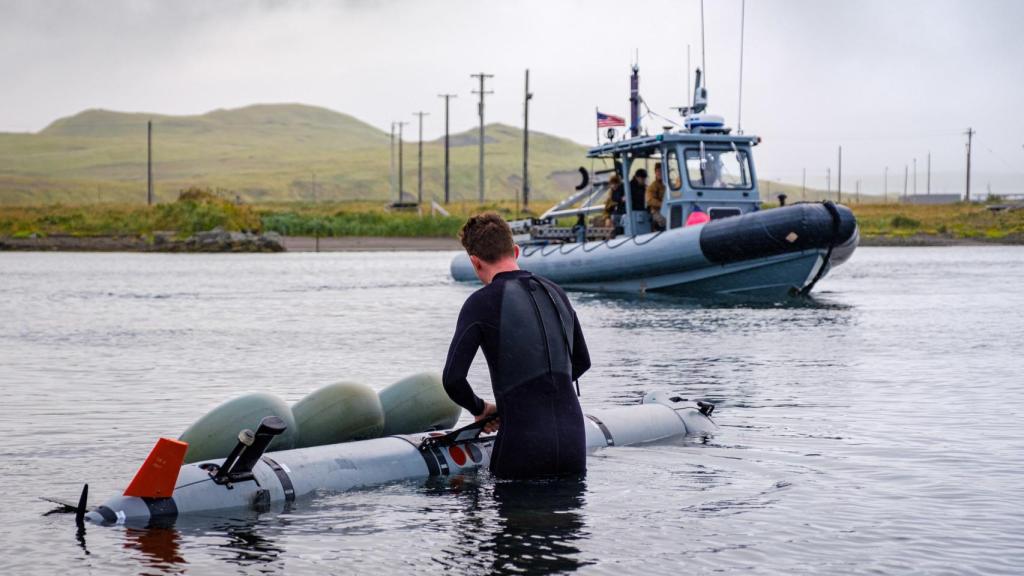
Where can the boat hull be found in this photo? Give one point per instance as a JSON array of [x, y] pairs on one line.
[[771, 254]]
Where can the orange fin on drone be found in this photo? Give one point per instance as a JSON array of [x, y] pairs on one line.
[[158, 474]]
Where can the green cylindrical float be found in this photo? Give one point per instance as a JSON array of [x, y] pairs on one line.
[[216, 433], [338, 413], [417, 404]]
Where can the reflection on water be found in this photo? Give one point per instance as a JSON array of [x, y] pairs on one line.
[[514, 527], [844, 445], [160, 547], [540, 523]]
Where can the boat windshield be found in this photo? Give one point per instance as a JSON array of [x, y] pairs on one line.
[[718, 168]]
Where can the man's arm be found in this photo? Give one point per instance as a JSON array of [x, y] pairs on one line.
[[580, 354], [465, 342]]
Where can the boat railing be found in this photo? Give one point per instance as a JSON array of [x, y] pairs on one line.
[[587, 197]]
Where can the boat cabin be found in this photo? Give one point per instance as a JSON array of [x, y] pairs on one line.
[[705, 170]]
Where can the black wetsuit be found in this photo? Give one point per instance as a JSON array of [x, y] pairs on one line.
[[533, 363]]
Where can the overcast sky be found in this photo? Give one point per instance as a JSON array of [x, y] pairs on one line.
[[890, 80]]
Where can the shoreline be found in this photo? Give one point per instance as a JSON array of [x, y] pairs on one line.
[[369, 244], [61, 243]]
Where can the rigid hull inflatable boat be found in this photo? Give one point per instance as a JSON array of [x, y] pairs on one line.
[[771, 254], [709, 237], [251, 478]]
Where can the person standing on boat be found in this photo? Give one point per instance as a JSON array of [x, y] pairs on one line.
[[637, 189], [655, 197], [534, 348], [615, 205]]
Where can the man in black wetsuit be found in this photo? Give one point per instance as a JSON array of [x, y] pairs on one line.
[[534, 348]]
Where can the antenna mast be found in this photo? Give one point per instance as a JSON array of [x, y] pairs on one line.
[[634, 101], [703, 61], [689, 94], [739, 112]]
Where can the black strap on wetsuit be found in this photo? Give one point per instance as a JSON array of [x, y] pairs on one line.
[[561, 325]]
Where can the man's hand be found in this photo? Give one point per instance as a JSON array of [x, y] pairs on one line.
[[489, 409]]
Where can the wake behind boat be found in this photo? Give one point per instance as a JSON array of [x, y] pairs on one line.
[[709, 236]]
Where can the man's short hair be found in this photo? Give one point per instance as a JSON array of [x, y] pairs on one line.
[[488, 237], [641, 173]]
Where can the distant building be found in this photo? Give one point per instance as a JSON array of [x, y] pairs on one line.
[[931, 199]]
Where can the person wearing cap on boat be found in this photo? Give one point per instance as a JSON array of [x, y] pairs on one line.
[[534, 347], [615, 205], [655, 197], [637, 189]]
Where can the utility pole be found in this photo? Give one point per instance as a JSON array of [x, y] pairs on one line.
[[803, 185], [970, 135], [391, 148], [480, 110], [857, 196], [905, 168], [885, 186], [828, 182], [839, 184], [149, 163], [527, 96], [447, 98], [915, 176], [929, 172], [419, 163], [313, 187], [401, 149]]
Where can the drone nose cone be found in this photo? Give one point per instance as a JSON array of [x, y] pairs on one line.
[[101, 515]]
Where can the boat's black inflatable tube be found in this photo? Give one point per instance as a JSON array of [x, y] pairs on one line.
[[778, 231]]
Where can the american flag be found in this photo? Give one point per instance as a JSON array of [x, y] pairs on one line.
[[608, 121]]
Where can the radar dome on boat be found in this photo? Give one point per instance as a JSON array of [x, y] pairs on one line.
[[702, 122]]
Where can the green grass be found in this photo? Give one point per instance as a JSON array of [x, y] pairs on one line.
[[196, 211], [199, 210], [361, 224], [951, 220]]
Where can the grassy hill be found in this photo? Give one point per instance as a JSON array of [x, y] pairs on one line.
[[262, 153]]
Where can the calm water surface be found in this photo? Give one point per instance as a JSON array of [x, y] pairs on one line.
[[876, 430]]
